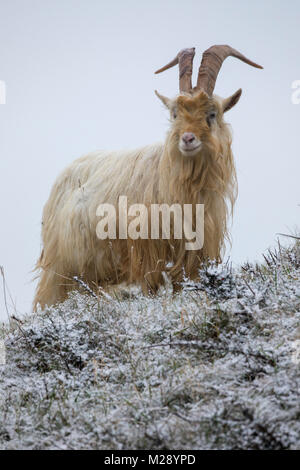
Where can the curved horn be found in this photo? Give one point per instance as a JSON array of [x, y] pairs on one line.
[[185, 60], [212, 60]]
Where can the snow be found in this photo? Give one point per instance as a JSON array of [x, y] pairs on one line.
[[212, 367]]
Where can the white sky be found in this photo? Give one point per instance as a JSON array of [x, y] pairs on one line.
[[79, 77]]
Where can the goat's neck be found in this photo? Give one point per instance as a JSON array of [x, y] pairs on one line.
[[182, 179]]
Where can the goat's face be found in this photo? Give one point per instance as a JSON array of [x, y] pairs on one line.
[[196, 120]]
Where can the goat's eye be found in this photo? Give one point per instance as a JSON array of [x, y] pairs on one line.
[[174, 114], [211, 116]]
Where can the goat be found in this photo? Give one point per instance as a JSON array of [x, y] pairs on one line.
[[193, 166]]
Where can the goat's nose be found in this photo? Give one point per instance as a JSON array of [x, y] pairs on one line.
[[188, 137]]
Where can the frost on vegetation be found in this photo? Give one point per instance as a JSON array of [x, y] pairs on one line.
[[212, 367]]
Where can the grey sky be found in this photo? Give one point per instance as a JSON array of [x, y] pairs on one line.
[[79, 77]]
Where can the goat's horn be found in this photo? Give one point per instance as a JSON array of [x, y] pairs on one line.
[[212, 60], [185, 60]]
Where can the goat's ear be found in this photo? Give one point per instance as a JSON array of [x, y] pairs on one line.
[[231, 101], [166, 101]]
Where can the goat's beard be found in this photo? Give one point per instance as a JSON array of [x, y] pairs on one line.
[[208, 178]]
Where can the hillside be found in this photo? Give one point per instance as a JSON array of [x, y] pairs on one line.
[[217, 366]]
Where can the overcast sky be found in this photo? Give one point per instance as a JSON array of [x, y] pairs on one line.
[[79, 77]]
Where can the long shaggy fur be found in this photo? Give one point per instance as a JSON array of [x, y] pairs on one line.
[[153, 174]]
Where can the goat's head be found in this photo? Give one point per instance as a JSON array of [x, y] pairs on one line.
[[197, 114]]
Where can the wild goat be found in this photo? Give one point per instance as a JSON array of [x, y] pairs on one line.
[[193, 166]]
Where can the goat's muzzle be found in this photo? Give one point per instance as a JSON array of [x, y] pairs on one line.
[[189, 144]]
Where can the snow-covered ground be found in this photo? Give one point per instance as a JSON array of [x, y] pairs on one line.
[[216, 366]]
